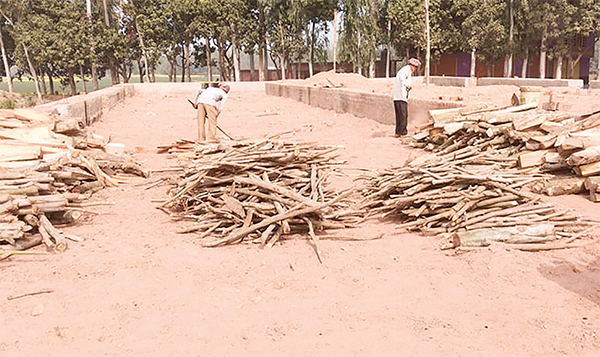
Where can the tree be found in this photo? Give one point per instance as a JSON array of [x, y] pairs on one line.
[[359, 33], [484, 29]]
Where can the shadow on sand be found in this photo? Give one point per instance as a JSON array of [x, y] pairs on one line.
[[581, 279]]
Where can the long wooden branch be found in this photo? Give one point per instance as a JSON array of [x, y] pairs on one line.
[[274, 219]]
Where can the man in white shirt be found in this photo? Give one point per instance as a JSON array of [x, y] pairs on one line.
[[402, 87], [209, 102]]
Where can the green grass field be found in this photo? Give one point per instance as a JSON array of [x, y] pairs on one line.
[[27, 86]]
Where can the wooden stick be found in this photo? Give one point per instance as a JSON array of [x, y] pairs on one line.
[[315, 239], [44, 291], [279, 217]]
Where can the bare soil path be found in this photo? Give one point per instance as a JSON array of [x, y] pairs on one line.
[[135, 288]]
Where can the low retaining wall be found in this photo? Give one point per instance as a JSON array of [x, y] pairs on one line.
[[378, 107], [577, 83], [91, 106]]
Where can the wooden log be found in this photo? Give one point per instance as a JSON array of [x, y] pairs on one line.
[[294, 212], [588, 169], [538, 142], [123, 163], [11, 231], [585, 156], [530, 121], [19, 152], [516, 235], [27, 190], [90, 186], [531, 158], [256, 181], [564, 186], [594, 196], [31, 115], [8, 206], [28, 241], [68, 124], [592, 183], [60, 241]]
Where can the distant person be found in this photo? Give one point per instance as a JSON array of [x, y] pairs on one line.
[[402, 87], [209, 102]]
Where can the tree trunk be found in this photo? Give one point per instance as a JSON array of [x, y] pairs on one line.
[[598, 59], [428, 53], [114, 71], [389, 49], [473, 63], [183, 62], [262, 45], [543, 57], [525, 64], [188, 73], [106, 18], [209, 75], [6, 65], [282, 55], [266, 74], [222, 69], [172, 65], [373, 39], [252, 69], [236, 57], [44, 89], [71, 74], [82, 76], [335, 41], [94, 76], [140, 69], [144, 54], [311, 50], [509, 59], [33, 73], [559, 63], [51, 82]]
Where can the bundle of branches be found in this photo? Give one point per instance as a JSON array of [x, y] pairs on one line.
[[521, 138], [45, 180], [475, 208], [257, 191]]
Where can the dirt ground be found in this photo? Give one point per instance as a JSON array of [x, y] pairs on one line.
[[135, 288]]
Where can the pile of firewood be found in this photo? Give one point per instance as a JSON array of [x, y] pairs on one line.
[[475, 208], [469, 188], [258, 191], [49, 167], [522, 138]]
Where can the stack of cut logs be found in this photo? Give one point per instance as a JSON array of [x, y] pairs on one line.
[[469, 188], [475, 207], [522, 138], [258, 191], [49, 167]]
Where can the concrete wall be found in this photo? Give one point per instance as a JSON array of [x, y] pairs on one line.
[[530, 82], [378, 107], [190, 88], [91, 106]]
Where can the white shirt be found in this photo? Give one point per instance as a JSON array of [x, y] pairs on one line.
[[402, 83], [212, 96]]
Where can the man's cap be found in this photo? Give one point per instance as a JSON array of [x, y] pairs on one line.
[[224, 86], [414, 62]]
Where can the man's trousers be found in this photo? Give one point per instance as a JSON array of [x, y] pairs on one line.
[[401, 109], [207, 116]]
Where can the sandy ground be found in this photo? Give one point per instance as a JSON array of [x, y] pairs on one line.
[[135, 288]]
